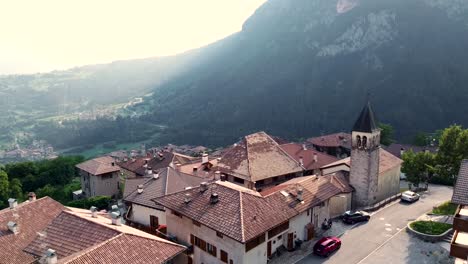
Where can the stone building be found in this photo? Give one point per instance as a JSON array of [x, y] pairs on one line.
[[99, 176]]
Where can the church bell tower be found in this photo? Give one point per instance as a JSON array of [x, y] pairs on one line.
[[365, 149]]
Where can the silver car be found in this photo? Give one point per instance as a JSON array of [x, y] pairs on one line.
[[409, 196]]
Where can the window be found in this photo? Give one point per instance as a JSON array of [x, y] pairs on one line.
[[238, 180], [219, 234], [273, 232], [224, 256], [279, 237], [308, 212], [261, 182], [196, 223], [211, 249], [254, 242]]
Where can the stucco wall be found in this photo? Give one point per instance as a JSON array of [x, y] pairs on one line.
[[141, 214], [98, 185], [340, 204], [364, 176], [389, 183]]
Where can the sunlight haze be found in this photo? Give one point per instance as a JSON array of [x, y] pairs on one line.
[[39, 36]]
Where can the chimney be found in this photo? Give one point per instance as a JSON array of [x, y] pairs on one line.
[[301, 161], [13, 203], [214, 198], [217, 175], [116, 219], [304, 147], [299, 194], [203, 186], [113, 163], [93, 210], [32, 196], [204, 158], [402, 150], [315, 157], [13, 227], [115, 208], [188, 198], [50, 256], [177, 167], [195, 169], [155, 176], [140, 189]]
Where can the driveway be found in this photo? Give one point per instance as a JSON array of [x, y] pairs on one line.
[[365, 241]]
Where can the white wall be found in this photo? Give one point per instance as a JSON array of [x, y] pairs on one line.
[[141, 214], [335, 169], [389, 183], [340, 204]]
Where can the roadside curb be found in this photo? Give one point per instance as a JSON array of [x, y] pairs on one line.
[[426, 237]]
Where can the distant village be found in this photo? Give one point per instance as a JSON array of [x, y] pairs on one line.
[[255, 201], [37, 150]]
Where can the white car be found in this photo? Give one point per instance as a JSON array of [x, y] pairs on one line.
[[409, 196]]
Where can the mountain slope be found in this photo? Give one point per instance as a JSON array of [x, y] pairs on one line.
[[304, 67]]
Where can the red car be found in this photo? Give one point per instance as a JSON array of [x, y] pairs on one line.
[[327, 245]]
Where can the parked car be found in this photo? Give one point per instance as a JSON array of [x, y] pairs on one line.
[[409, 196], [327, 245], [351, 217]]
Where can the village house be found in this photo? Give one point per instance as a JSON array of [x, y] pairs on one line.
[[338, 144], [99, 176], [258, 161], [228, 223], [459, 244], [142, 211], [311, 159], [44, 231]]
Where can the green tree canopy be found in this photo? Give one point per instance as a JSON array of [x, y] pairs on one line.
[[418, 167], [386, 134]]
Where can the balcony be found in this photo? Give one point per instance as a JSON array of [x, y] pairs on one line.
[[460, 221], [459, 245]]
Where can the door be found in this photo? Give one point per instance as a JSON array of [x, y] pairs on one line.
[[269, 249], [154, 222], [290, 241]]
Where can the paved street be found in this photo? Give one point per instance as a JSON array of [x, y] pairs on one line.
[[383, 239]]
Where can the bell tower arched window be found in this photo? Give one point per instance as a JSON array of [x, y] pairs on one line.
[[358, 141], [364, 142]]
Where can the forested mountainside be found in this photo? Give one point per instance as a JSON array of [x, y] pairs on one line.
[[306, 67], [298, 68]]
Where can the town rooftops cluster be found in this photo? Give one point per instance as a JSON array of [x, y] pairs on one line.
[[98, 166], [43, 229], [242, 214]]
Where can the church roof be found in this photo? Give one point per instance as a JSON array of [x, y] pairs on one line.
[[366, 121]]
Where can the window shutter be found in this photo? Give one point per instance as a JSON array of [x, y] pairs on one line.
[[192, 239]]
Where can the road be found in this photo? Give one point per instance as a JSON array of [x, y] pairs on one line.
[[365, 239]]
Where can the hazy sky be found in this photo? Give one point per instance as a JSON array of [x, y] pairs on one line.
[[44, 35]]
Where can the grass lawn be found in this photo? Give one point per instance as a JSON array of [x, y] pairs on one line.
[[446, 208], [430, 228]]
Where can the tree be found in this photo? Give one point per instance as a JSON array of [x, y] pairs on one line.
[[421, 139], [4, 188], [453, 148], [418, 167], [386, 134], [16, 189]]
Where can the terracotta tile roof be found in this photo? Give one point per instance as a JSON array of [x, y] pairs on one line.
[[68, 234], [333, 140], [396, 149], [387, 161], [256, 158], [99, 166], [203, 170], [31, 217], [460, 192], [161, 251], [297, 151], [127, 248], [169, 181], [161, 160], [243, 214]]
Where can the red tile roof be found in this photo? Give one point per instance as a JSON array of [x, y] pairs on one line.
[[31, 218], [256, 158], [396, 149], [127, 248], [161, 160], [333, 140], [297, 151], [99, 166], [68, 234], [243, 214]]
